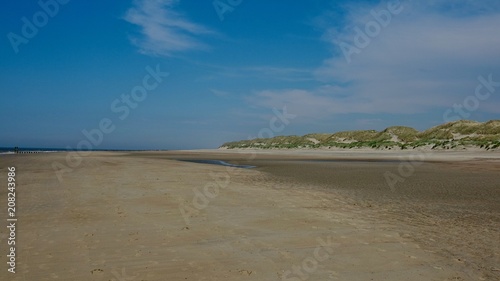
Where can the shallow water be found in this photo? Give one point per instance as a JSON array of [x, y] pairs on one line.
[[217, 162]]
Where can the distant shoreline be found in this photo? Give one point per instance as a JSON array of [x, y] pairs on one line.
[[27, 150], [249, 156]]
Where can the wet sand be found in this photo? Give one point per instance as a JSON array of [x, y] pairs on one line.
[[140, 216]]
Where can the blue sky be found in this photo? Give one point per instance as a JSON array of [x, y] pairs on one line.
[[227, 76]]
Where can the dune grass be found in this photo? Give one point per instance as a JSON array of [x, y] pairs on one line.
[[452, 135]]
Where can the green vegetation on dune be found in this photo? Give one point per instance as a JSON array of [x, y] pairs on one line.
[[405, 134], [454, 135]]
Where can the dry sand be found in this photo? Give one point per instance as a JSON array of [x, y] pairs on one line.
[[117, 216]]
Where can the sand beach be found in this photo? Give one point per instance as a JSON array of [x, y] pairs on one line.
[[298, 215]]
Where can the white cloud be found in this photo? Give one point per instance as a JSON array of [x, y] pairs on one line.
[[428, 57], [219, 93], [163, 31]]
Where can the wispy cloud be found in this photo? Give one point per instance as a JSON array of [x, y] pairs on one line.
[[266, 72], [164, 31], [280, 73], [429, 57], [219, 93], [323, 102]]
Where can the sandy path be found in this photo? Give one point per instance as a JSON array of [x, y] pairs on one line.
[[118, 217]]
